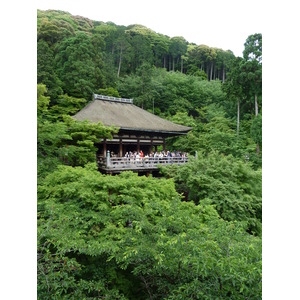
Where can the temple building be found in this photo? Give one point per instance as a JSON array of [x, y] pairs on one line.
[[139, 130]]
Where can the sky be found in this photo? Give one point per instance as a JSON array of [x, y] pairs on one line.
[[221, 24]]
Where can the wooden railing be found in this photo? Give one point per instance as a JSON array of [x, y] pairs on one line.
[[124, 163]]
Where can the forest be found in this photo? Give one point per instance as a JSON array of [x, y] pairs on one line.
[[193, 233]]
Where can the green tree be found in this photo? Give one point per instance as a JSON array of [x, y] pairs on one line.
[[177, 48], [46, 73], [110, 91], [160, 48], [230, 184], [256, 132], [61, 139], [252, 69], [42, 100], [141, 46], [253, 47], [98, 48], [54, 30], [66, 106], [234, 88], [76, 67], [131, 237]]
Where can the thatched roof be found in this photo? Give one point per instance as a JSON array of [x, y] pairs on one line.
[[125, 115]]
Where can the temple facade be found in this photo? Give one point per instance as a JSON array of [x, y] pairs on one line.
[[139, 132]]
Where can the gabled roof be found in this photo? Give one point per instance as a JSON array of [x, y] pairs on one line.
[[124, 114]]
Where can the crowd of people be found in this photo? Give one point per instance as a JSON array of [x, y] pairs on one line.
[[157, 155], [138, 158]]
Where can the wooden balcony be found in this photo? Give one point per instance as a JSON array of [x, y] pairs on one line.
[[119, 164]]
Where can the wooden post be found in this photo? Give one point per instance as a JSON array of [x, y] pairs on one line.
[[121, 149], [151, 145], [104, 148], [138, 145]]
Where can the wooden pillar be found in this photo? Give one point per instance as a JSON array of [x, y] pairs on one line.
[[104, 148], [121, 149], [164, 144], [151, 146], [138, 144]]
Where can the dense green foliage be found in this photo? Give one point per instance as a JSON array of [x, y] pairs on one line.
[[231, 185], [102, 52], [193, 234], [130, 237], [62, 140]]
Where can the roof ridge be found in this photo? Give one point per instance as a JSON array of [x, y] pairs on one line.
[[111, 98]]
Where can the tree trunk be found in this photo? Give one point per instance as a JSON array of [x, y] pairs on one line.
[[211, 70], [173, 64], [238, 119], [223, 75], [181, 65], [120, 62], [256, 105], [257, 149], [164, 61], [256, 113]]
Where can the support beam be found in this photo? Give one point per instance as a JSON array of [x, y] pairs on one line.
[[138, 145], [121, 149], [104, 148], [151, 145]]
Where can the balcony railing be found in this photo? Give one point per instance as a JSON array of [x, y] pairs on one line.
[[124, 163]]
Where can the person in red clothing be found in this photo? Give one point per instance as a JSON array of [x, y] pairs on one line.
[[141, 154]]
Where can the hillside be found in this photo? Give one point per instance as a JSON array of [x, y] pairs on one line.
[[193, 233]]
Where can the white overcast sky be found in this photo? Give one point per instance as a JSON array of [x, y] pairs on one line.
[[224, 24]]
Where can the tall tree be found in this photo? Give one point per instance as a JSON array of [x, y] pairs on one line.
[[141, 46], [46, 73], [97, 55], [253, 65], [160, 48], [177, 48], [253, 48], [234, 87], [124, 51], [253, 68], [76, 68]]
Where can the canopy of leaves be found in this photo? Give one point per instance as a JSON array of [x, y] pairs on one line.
[[75, 66], [231, 185], [131, 237], [61, 139]]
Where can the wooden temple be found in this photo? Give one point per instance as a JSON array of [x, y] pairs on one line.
[[139, 130]]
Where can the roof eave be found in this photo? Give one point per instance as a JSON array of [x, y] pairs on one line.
[[158, 131]]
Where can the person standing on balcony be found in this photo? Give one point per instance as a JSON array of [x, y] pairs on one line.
[[108, 158]]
